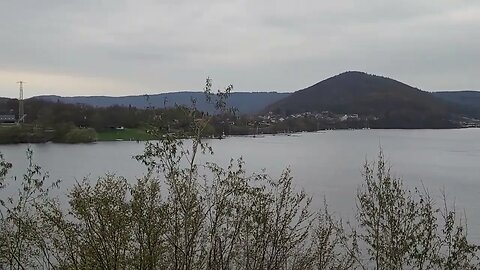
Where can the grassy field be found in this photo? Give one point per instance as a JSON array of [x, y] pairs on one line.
[[125, 135]]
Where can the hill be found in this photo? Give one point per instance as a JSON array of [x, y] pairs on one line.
[[245, 102], [467, 101], [393, 104]]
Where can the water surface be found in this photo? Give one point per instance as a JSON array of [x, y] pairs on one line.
[[326, 164]]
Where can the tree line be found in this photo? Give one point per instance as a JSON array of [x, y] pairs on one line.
[[74, 123]]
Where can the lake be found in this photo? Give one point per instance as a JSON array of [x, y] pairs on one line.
[[326, 164]]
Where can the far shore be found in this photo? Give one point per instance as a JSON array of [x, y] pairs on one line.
[[139, 135]]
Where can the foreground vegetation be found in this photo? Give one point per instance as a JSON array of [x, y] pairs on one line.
[[188, 215]]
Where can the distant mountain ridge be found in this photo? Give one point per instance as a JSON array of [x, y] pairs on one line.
[[466, 101], [245, 102], [395, 104]]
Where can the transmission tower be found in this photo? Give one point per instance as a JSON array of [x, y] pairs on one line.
[[21, 111]]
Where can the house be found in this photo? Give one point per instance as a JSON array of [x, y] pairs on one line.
[[7, 118]]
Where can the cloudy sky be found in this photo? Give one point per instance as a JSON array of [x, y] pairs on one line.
[[120, 47]]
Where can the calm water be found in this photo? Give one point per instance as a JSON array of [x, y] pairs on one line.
[[325, 164]]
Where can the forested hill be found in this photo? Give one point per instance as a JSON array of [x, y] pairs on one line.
[[245, 102], [468, 101], [393, 103]]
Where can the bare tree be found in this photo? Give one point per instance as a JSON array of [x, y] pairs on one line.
[[400, 230]]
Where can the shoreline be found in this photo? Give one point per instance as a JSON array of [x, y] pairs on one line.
[[252, 136]]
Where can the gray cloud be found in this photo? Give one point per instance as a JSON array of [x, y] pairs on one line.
[[132, 47]]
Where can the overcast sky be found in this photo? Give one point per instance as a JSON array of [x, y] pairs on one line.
[[118, 47]]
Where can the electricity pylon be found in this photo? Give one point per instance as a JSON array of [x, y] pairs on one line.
[[21, 111]]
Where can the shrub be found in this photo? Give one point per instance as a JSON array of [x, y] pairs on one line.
[[80, 135]]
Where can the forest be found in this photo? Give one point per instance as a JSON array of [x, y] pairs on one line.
[[77, 123]]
